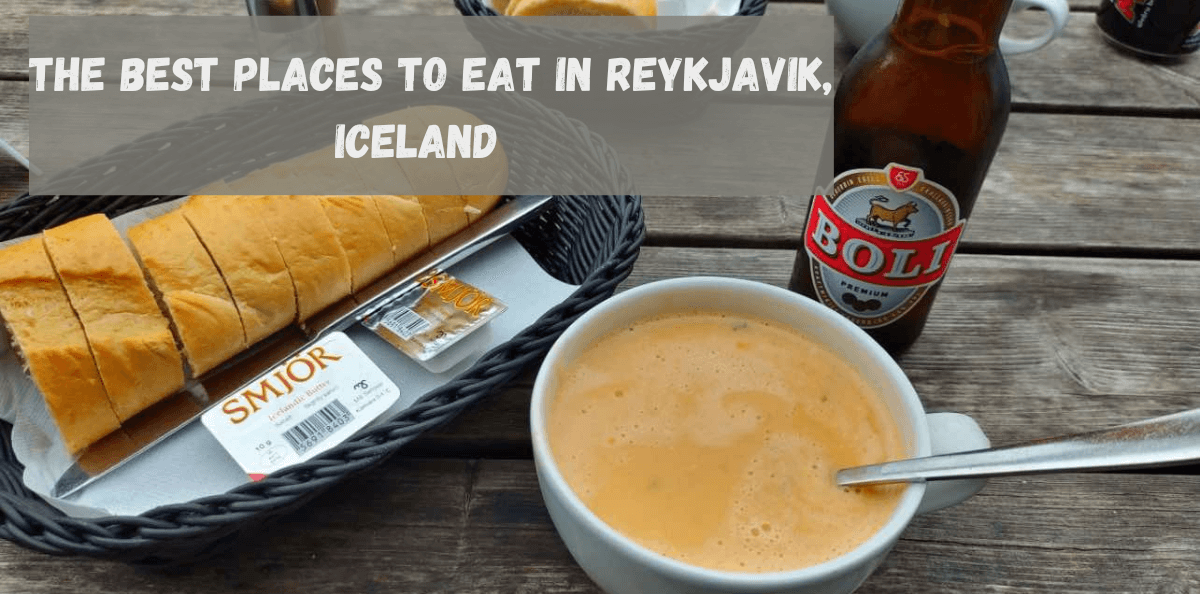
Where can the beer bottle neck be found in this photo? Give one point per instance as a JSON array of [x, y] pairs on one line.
[[956, 29]]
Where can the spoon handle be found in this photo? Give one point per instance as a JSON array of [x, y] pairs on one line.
[[1164, 441]]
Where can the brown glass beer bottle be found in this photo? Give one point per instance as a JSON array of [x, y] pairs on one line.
[[918, 116]]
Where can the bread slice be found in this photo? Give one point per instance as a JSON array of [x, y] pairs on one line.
[[196, 298], [477, 206], [645, 9], [233, 231], [405, 223], [445, 216], [362, 235], [384, 175], [481, 180], [128, 334], [48, 335], [310, 248]]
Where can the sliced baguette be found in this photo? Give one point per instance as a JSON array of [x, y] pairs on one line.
[[444, 214], [126, 331], [48, 335], [233, 231], [481, 180], [362, 235], [310, 248], [384, 175], [196, 297], [404, 220]]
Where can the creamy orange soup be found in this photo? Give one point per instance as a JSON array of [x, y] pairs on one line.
[[714, 439]]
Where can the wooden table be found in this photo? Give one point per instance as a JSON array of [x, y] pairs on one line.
[[1073, 304]]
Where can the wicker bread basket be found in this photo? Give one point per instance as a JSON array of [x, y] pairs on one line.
[[589, 241]]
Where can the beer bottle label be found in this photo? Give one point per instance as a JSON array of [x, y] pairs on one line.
[[879, 239]]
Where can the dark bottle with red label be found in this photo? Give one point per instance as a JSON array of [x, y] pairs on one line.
[[918, 116], [1164, 29]]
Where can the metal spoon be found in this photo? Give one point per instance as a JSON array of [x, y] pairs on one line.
[[1159, 442]]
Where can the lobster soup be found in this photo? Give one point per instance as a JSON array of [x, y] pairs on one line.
[[713, 439]]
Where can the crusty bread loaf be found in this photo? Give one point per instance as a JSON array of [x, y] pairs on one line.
[[445, 216], [405, 223], [361, 233], [127, 333], [481, 180], [48, 335], [385, 175], [477, 206], [229, 271], [311, 250], [233, 231], [197, 300], [592, 8]]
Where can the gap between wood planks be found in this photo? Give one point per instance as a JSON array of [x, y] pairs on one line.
[[1017, 107], [967, 247]]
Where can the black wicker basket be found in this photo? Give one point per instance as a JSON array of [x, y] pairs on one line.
[[590, 241]]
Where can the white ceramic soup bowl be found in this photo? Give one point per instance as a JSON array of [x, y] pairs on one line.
[[617, 564]]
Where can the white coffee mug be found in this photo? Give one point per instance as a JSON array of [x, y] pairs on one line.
[[617, 564], [860, 20]]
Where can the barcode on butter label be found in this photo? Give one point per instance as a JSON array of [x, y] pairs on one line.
[[406, 323], [311, 402], [318, 427]]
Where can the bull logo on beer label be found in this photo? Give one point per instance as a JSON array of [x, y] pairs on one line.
[[879, 239]]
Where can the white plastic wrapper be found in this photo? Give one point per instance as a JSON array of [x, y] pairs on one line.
[[191, 463]]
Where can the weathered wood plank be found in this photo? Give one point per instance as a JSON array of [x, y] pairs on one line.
[[1080, 68], [1029, 346], [14, 127], [1059, 182], [1128, 187], [454, 526], [409, 526], [1077, 71], [1058, 534]]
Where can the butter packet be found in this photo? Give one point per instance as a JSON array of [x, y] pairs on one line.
[[428, 320]]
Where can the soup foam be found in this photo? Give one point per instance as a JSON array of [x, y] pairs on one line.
[[713, 439]]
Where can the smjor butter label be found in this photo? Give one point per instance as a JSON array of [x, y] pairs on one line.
[[312, 402], [879, 239]]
